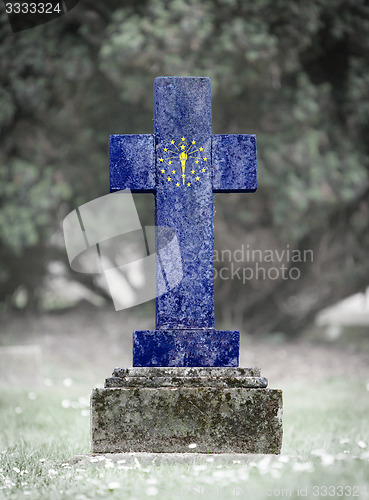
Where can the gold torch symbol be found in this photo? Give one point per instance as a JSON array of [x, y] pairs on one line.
[[183, 158], [183, 151]]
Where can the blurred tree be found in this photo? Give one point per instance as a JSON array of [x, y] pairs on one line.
[[297, 75]]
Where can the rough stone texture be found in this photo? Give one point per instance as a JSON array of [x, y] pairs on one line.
[[182, 110], [251, 382], [179, 377], [183, 188], [168, 420], [186, 348], [132, 162], [186, 372], [234, 163]]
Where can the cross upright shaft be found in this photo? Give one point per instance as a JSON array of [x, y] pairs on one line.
[[182, 110], [183, 164]]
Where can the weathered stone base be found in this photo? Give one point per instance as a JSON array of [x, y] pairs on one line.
[[221, 410]]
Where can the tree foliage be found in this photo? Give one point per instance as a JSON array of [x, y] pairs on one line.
[[294, 73]]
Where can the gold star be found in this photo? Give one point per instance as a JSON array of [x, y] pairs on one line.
[[177, 184], [197, 161], [172, 142], [169, 179], [188, 184], [165, 149], [183, 147], [162, 171], [201, 149], [173, 171], [193, 142], [183, 138], [203, 170], [205, 158], [161, 159], [197, 178], [170, 162], [192, 171]]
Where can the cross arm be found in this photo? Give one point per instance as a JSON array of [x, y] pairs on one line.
[[234, 163], [132, 162]]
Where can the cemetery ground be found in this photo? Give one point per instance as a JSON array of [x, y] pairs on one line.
[[44, 425]]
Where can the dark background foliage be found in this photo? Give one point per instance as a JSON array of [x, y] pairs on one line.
[[294, 73]]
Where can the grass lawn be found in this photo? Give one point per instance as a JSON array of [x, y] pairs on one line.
[[325, 451]]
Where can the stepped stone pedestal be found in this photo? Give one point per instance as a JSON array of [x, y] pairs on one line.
[[221, 410]]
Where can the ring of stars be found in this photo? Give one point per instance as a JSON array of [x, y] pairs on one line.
[[180, 153]]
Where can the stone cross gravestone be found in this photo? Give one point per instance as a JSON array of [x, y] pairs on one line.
[[185, 385], [183, 164]]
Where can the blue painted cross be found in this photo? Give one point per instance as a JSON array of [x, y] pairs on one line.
[[183, 164]]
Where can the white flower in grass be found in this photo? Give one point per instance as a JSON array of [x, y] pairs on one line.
[[327, 460], [152, 480], [275, 473], [192, 446], [52, 472], [341, 456], [152, 491], [85, 413], [32, 396], [15, 469], [264, 464], [243, 474], [67, 382], [84, 402], [344, 440], [114, 485], [94, 459], [65, 403], [199, 467], [26, 492], [109, 465], [361, 444], [210, 459], [121, 461], [318, 453], [18, 410], [42, 460], [303, 467]]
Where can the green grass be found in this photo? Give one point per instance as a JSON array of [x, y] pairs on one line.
[[323, 424]]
